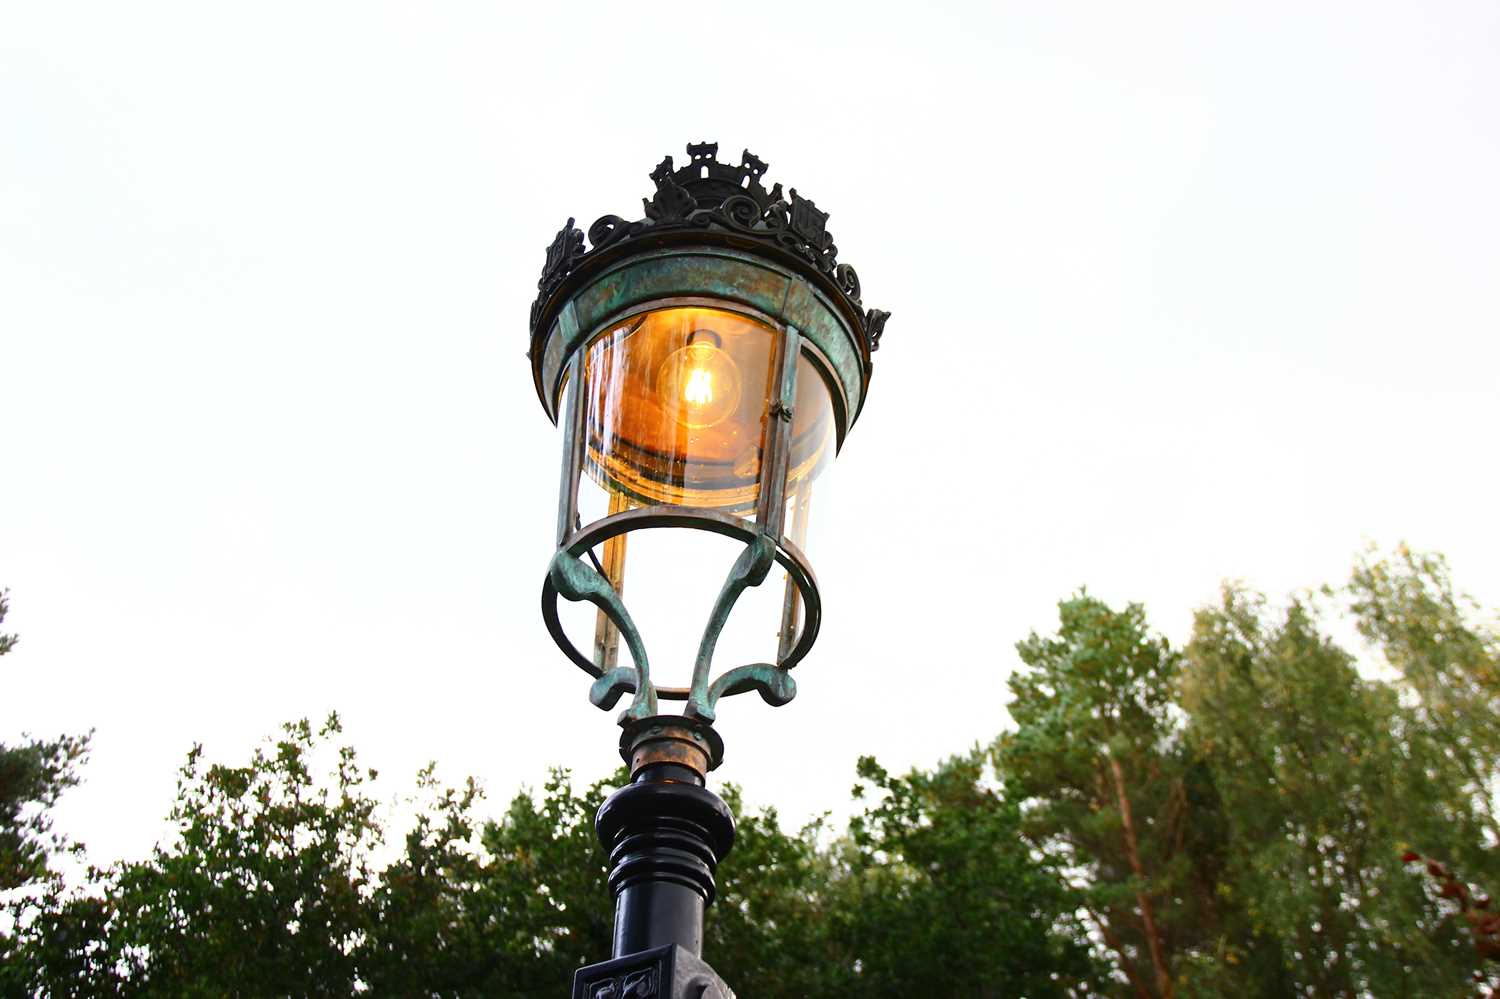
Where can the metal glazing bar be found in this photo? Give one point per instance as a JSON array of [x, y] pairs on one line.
[[775, 457], [574, 428], [606, 635]]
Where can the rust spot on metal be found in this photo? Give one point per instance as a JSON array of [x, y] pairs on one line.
[[670, 739]]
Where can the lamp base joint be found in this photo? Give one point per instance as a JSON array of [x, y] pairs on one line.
[[671, 740]]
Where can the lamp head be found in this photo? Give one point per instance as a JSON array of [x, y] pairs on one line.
[[705, 363]]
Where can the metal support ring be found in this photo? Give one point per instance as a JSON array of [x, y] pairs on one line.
[[652, 517]]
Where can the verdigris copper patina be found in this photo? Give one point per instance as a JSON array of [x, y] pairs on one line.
[[723, 237], [711, 236]]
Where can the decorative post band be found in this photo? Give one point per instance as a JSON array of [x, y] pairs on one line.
[[665, 840]]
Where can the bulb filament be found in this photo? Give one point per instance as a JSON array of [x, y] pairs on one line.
[[699, 389]]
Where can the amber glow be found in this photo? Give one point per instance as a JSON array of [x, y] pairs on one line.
[[675, 408], [676, 402], [699, 383], [699, 389]]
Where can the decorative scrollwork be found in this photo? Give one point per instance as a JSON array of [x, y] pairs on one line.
[[848, 282], [564, 250], [573, 579], [563, 254], [776, 685], [875, 327], [707, 193], [630, 985], [742, 212], [672, 202], [749, 570], [610, 229], [577, 581]]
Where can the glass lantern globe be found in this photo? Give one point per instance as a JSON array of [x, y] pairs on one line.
[[676, 403], [674, 408]]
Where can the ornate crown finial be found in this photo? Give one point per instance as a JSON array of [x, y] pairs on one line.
[[707, 194]]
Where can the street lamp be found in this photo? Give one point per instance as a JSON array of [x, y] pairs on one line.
[[705, 364]]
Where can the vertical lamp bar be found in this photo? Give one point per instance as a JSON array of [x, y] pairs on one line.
[[771, 511], [606, 635], [574, 442]]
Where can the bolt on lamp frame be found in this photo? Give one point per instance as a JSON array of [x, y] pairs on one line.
[[713, 236]]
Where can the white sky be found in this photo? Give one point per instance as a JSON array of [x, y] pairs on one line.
[[1180, 293]]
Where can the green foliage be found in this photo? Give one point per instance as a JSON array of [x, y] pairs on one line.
[[270, 887], [1108, 791], [940, 887], [774, 904], [33, 775], [266, 884], [1472, 911], [7, 642], [1322, 780], [509, 907], [1235, 817], [1447, 657]]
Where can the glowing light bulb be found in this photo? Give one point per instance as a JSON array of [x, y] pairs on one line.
[[699, 389], [699, 384]]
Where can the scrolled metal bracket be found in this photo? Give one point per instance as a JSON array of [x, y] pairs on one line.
[[749, 570], [572, 578], [576, 581], [775, 684]]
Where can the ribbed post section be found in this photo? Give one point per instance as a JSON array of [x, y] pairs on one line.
[[665, 834]]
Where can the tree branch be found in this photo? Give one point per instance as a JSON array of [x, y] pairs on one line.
[[1142, 897]]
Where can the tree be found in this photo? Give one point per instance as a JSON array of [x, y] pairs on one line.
[[7, 642], [939, 887], [33, 775], [1322, 778], [262, 892], [1108, 791], [1231, 818], [774, 909], [1436, 643], [1474, 909], [270, 886]]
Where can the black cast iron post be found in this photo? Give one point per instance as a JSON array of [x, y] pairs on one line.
[[665, 833]]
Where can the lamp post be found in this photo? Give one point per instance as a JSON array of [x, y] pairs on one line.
[[705, 364]]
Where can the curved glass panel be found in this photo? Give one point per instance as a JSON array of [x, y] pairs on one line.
[[812, 427], [675, 408], [812, 451]]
